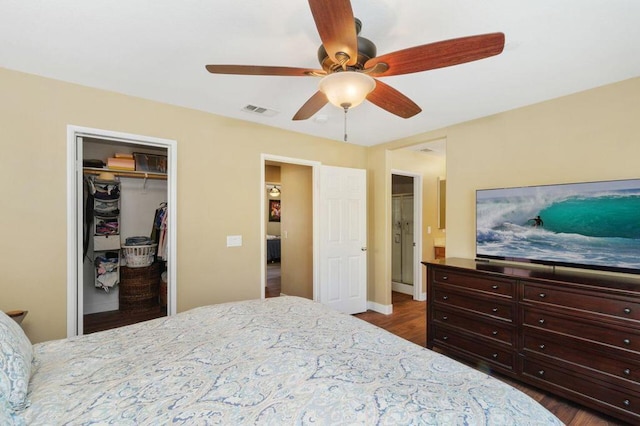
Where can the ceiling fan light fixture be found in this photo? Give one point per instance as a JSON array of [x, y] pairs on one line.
[[347, 89]]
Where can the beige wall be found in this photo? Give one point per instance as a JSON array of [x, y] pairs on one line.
[[272, 174], [34, 114], [587, 136], [379, 227], [593, 135], [297, 230]]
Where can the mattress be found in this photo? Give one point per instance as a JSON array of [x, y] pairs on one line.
[[276, 361]]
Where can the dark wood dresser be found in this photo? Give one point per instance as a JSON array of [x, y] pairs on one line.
[[574, 334]]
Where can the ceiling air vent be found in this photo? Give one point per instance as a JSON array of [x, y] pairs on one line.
[[259, 110], [436, 147]]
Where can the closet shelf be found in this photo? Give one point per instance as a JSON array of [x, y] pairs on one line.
[[125, 173]]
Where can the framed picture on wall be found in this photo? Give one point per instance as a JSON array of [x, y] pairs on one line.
[[150, 162], [274, 210]]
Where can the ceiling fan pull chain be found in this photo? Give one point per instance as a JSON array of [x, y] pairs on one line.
[[345, 123]]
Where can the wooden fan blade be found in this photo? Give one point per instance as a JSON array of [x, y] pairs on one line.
[[388, 98], [313, 105], [264, 70], [439, 55], [336, 26]]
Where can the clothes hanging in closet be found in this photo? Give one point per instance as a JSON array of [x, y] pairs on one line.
[[159, 231]]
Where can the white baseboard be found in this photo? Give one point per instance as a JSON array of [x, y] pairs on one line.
[[402, 288], [423, 297], [377, 307]]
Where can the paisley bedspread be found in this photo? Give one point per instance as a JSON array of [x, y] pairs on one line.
[[279, 361]]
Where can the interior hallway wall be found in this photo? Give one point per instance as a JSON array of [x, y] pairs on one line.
[[297, 231]]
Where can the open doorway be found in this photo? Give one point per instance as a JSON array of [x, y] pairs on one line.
[[406, 228], [273, 215], [288, 223], [402, 246]]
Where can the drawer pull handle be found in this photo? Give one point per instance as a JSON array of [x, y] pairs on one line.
[[445, 297], [495, 356], [627, 372], [626, 402], [494, 332], [495, 287], [444, 278], [542, 295], [627, 311], [541, 373], [495, 309], [444, 318], [541, 320], [541, 346], [445, 337], [626, 342]]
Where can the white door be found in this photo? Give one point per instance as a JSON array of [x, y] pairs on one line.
[[343, 239]]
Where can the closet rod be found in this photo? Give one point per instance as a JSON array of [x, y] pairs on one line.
[[125, 173]]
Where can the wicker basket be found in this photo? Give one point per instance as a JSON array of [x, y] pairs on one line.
[[139, 288], [139, 256]]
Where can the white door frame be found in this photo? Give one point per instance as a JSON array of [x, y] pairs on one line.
[[418, 294], [75, 214], [315, 173]]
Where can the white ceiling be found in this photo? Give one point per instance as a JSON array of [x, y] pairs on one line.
[[157, 49]]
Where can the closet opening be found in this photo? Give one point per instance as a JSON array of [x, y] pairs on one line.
[[123, 192], [125, 239]]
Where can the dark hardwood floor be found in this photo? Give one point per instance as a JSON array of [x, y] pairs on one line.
[[273, 280], [408, 320], [112, 319]]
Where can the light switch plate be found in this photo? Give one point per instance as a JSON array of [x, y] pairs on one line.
[[234, 240]]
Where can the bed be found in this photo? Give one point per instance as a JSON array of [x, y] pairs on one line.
[[273, 249], [276, 361]]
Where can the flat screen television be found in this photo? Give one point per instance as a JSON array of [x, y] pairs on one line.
[[591, 225]]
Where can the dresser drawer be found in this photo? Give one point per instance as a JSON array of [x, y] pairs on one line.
[[592, 356], [584, 300], [492, 307], [617, 337], [479, 348], [492, 285], [626, 402], [490, 329]]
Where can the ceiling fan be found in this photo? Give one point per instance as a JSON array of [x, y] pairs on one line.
[[345, 55]]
